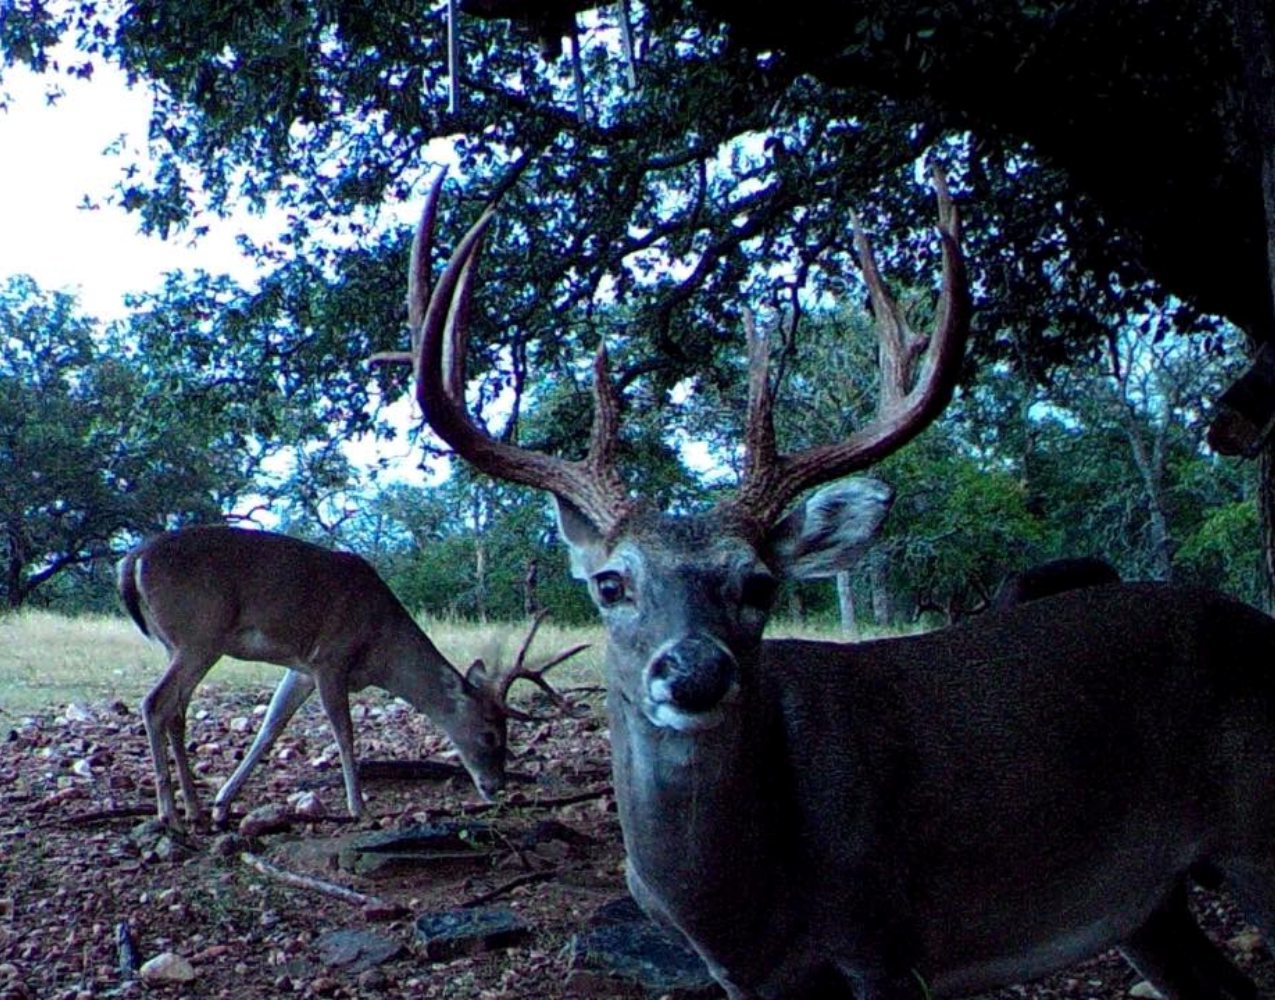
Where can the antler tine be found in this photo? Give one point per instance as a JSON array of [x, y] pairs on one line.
[[759, 434], [593, 486], [418, 268], [421, 261], [520, 671], [911, 395]]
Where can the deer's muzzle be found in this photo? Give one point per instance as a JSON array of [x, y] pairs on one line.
[[688, 681]]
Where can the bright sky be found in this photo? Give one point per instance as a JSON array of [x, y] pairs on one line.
[[51, 157]]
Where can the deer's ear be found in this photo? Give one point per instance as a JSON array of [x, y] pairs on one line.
[[826, 534], [582, 536]]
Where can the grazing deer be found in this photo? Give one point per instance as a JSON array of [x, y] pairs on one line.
[[209, 592], [1052, 577], [934, 815]]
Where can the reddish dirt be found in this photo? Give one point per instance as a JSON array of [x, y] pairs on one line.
[[74, 865]]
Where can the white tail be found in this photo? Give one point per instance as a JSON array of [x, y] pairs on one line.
[[209, 592], [935, 815]]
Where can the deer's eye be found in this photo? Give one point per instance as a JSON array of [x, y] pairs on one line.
[[610, 588], [759, 591]]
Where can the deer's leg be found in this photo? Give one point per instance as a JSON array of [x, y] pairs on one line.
[[334, 693], [163, 715], [290, 695], [1178, 958], [185, 775]]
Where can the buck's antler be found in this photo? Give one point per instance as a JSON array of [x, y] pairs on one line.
[[918, 376], [519, 671], [439, 318], [911, 394]]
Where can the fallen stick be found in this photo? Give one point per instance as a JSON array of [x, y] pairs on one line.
[[477, 808], [529, 878], [104, 815], [307, 882]]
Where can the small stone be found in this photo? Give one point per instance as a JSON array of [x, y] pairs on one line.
[[1145, 991], [453, 933], [240, 724], [229, 845], [308, 805], [1246, 941], [167, 967], [356, 950], [383, 911], [82, 768], [262, 820], [76, 713]]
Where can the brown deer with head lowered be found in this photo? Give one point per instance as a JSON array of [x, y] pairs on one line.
[[215, 591], [932, 815]]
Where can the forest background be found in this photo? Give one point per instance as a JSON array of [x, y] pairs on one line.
[[648, 216]]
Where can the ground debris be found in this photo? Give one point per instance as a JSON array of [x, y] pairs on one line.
[[72, 871]]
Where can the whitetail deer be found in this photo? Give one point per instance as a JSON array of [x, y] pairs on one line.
[[216, 591], [1052, 577], [931, 815]]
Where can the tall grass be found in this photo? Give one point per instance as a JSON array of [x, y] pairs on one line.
[[48, 660]]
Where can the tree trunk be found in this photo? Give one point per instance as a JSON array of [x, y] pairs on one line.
[[480, 578], [878, 568], [845, 604], [15, 560], [531, 588], [1255, 30], [1266, 519]]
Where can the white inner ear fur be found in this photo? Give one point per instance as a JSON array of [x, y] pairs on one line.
[[584, 541], [826, 534]]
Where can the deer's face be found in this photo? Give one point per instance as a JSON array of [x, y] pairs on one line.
[[482, 739], [685, 599]]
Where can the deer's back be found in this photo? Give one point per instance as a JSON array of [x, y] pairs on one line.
[[260, 595], [1050, 745]]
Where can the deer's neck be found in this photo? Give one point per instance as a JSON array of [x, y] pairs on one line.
[[415, 670], [696, 810]]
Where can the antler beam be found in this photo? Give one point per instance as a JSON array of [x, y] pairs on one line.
[[918, 376], [439, 320]]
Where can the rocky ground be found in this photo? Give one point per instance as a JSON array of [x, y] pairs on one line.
[[94, 902]]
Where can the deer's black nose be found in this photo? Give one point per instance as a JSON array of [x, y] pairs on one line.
[[692, 675]]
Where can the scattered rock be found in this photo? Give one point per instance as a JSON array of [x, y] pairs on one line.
[[357, 951], [623, 943], [229, 845], [264, 819], [450, 934], [76, 713], [1145, 991], [307, 805], [1247, 941], [167, 967]]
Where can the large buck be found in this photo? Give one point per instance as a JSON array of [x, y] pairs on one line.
[[931, 815], [216, 591]]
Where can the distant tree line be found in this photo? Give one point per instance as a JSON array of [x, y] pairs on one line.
[[108, 433]]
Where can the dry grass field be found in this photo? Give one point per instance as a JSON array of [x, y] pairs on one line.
[[48, 661]]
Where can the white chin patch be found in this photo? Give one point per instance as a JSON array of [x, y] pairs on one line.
[[666, 716]]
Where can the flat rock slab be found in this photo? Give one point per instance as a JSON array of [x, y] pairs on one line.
[[357, 951], [449, 934], [623, 944], [423, 846]]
